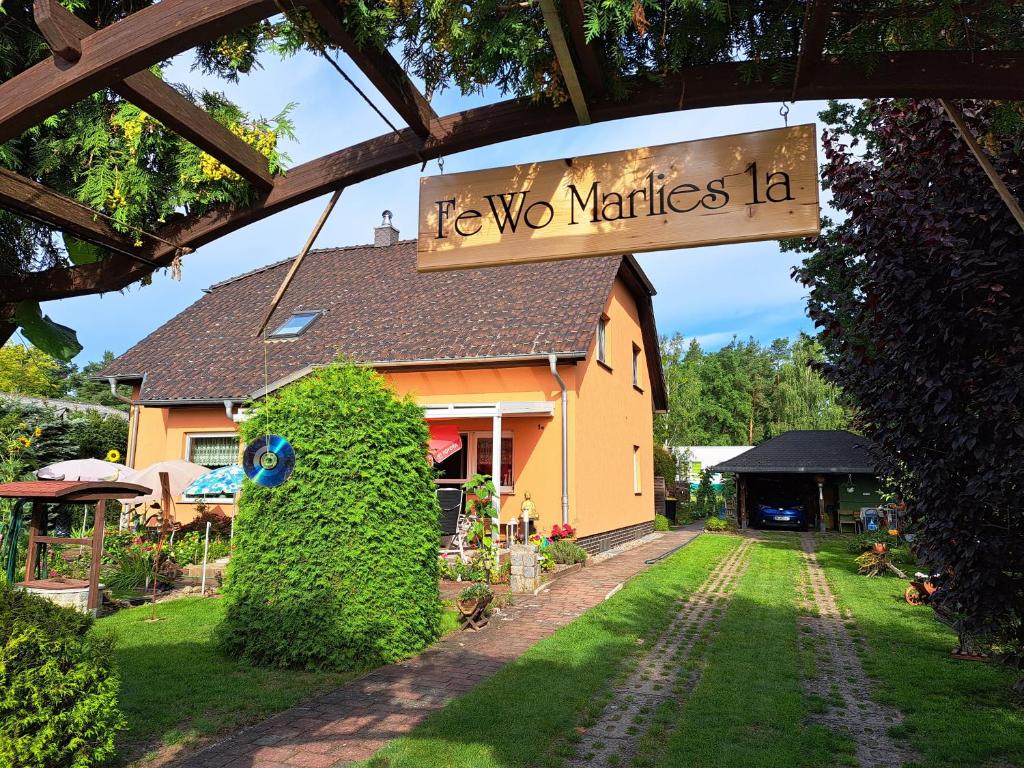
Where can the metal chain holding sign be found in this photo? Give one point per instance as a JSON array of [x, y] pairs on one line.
[[784, 112]]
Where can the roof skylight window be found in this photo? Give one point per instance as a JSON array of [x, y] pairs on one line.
[[295, 325]]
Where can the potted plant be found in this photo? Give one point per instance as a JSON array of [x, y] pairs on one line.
[[472, 602], [480, 492]]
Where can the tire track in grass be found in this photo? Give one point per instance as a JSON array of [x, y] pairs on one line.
[[639, 704], [839, 682], [748, 710]]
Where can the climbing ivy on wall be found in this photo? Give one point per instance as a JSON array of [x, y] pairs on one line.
[[337, 567]]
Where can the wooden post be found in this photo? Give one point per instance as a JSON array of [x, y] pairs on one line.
[[99, 523], [165, 521], [1000, 186], [553, 22], [298, 260], [35, 529]]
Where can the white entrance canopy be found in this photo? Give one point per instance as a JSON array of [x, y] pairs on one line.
[[488, 410], [493, 411]]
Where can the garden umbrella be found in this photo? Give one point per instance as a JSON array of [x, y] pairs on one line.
[[223, 481], [88, 470], [180, 473]]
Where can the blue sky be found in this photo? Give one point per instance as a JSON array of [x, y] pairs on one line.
[[710, 293]]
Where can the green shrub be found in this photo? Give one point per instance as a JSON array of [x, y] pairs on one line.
[[661, 523], [337, 567], [665, 464], [568, 552], [188, 548], [714, 523], [475, 592], [58, 693]]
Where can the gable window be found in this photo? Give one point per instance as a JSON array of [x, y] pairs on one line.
[[636, 366], [602, 340], [637, 488], [295, 325], [212, 449]]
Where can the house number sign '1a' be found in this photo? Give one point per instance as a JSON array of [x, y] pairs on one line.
[[728, 189]]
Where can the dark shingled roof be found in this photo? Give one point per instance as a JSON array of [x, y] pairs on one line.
[[806, 451], [380, 310]]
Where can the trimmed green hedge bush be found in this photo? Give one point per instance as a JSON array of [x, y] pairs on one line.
[[661, 523], [719, 524], [58, 692], [337, 568]]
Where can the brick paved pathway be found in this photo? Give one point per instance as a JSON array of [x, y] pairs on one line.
[[840, 680], [663, 673], [352, 722]]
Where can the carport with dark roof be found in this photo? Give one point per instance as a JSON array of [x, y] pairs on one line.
[[821, 471]]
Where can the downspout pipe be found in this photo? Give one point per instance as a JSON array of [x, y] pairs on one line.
[[134, 420], [553, 363]]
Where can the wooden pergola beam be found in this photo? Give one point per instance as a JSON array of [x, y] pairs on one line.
[[35, 201], [991, 75], [812, 43], [381, 69], [587, 54], [64, 32], [114, 53], [553, 22]]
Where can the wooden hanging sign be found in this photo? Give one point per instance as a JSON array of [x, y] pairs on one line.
[[727, 189]]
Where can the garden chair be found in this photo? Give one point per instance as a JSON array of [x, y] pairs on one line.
[[454, 523], [846, 517]]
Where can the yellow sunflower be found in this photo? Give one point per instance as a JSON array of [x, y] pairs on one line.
[[113, 455]]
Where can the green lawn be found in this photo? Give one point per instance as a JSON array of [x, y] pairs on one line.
[[749, 708], [176, 686], [525, 714], [957, 713]]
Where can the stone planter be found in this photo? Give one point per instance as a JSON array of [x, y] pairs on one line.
[[69, 593]]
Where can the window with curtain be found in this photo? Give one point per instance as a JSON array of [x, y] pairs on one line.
[[213, 450], [636, 366], [483, 459]]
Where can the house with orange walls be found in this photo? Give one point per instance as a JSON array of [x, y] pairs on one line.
[[549, 372]]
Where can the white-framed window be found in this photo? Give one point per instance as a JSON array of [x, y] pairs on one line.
[[637, 487], [602, 340], [295, 325], [212, 449], [475, 458], [636, 366]]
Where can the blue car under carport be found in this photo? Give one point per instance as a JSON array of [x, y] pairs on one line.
[[787, 516]]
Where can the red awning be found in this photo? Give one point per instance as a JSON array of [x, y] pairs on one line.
[[444, 441]]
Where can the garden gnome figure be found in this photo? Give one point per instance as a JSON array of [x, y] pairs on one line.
[[529, 513]]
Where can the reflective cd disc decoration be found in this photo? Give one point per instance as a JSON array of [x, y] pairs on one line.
[[268, 460]]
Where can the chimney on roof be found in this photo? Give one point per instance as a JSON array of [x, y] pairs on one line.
[[385, 234]]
